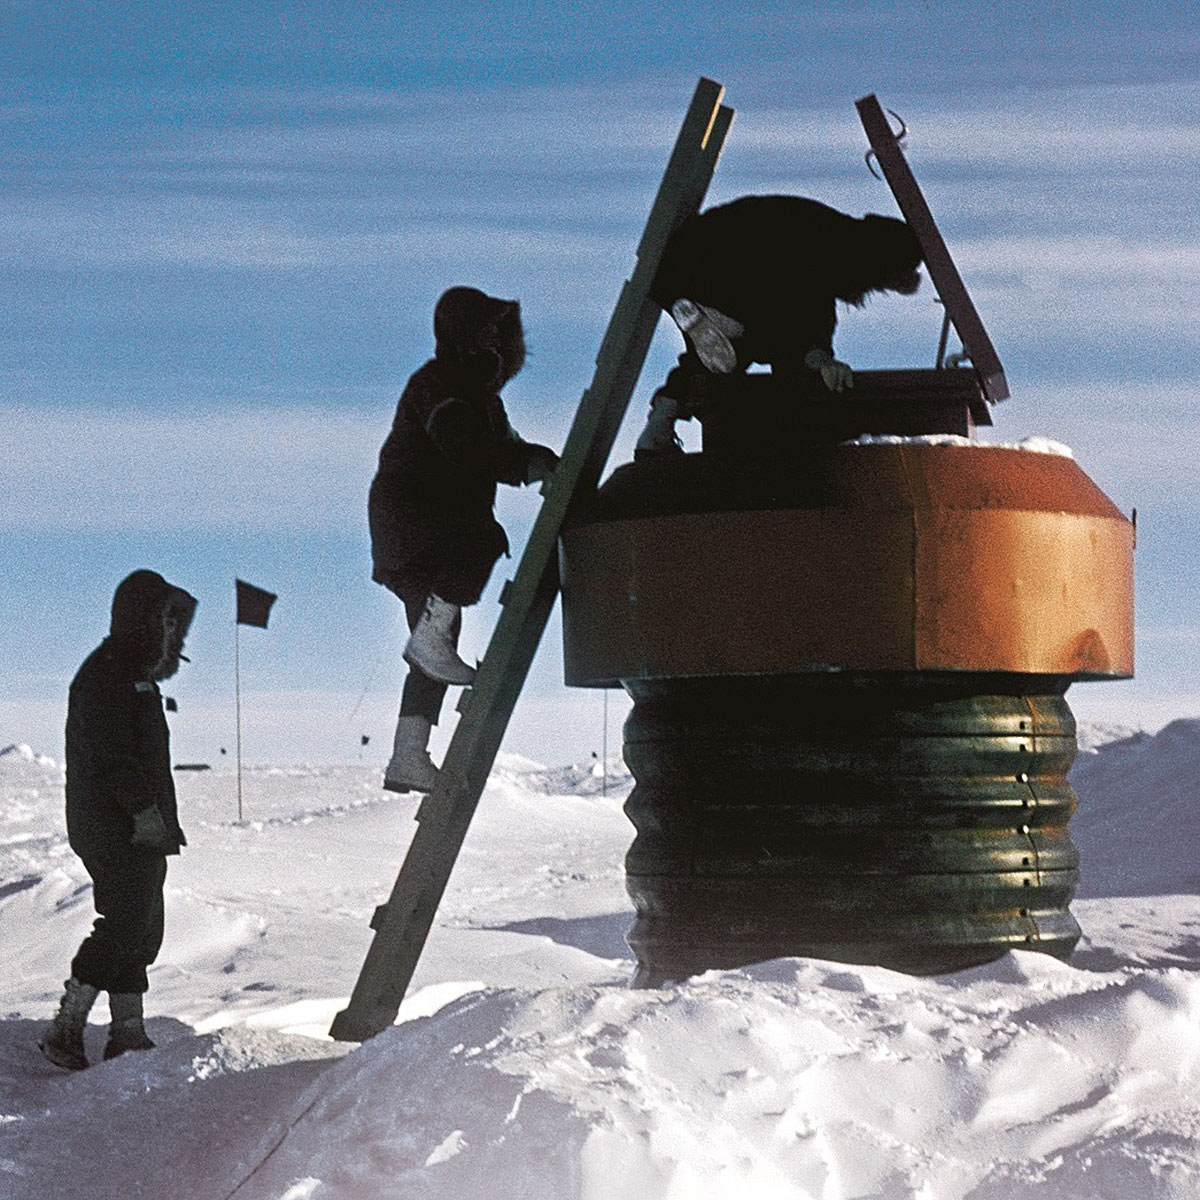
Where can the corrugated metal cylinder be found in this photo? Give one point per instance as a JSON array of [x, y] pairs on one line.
[[914, 821]]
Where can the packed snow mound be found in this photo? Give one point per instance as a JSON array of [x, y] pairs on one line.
[[580, 779], [186, 1120], [21, 753], [1138, 824], [814, 1080], [1019, 1080], [33, 832]]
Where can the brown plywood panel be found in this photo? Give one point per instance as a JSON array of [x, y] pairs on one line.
[[737, 593]]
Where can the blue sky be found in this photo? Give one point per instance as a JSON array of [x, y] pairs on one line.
[[222, 229]]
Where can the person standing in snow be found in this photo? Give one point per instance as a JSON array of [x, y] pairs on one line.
[[434, 539], [121, 812], [758, 280]]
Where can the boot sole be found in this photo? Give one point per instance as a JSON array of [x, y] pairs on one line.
[[712, 347], [399, 785], [67, 1062]]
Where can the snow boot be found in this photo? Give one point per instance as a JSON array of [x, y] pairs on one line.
[[431, 647], [410, 768], [707, 331], [62, 1043], [126, 1031], [658, 439]]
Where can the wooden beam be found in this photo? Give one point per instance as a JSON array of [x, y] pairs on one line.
[[942, 271]]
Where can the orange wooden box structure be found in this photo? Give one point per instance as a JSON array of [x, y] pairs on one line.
[[910, 558]]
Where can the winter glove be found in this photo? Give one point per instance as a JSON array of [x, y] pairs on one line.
[[541, 464], [836, 375], [150, 831]]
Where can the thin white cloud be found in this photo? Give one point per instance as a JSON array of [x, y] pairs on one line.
[[24, 112], [121, 469], [307, 470], [1082, 132], [1076, 258], [1087, 131], [418, 244], [182, 234], [535, 166]]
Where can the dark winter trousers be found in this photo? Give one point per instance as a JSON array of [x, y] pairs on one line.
[[127, 890], [457, 571]]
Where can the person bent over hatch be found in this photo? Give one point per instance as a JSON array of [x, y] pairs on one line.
[[434, 539], [758, 280], [121, 812]]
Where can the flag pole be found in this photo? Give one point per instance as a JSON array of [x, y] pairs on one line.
[[253, 606], [604, 748], [237, 675]]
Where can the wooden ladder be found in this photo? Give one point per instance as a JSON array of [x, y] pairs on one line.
[[403, 923]]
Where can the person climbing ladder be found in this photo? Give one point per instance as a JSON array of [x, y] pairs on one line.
[[434, 538]]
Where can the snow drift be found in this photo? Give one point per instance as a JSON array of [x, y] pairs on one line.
[[523, 1065]]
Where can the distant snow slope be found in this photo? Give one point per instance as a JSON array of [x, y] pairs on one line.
[[524, 1066], [1138, 825]]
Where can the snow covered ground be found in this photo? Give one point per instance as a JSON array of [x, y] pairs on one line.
[[524, 1066]]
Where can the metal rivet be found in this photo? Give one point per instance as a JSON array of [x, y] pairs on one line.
[[1028, 801], [1029, 937], [1022, 778], [1024, 829], [1027, 883], [1024, 862], [1024, 912]]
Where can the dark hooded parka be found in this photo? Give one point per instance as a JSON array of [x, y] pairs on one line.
[[430, 504], [119, 773], [779, 265], [118, 755]]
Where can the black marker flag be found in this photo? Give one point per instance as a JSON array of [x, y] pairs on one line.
[[253, 604]]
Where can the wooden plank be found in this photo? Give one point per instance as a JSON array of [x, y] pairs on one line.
[[942, 271], [896, 384], [402, 925]]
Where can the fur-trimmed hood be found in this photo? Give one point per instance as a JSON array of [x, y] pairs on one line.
[[480, 340], [888, 255], [150, 620]]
